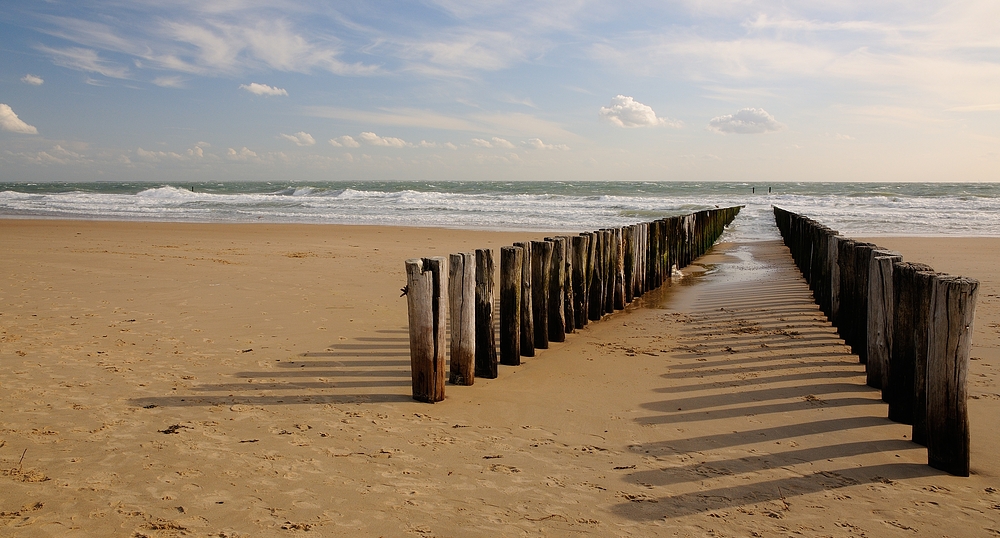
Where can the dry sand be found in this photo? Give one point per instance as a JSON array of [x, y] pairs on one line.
[[253, 380]]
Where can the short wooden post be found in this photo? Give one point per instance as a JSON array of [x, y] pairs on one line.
[[541, 261], [511, 261], [527, 315], [557, 292], [462, 306], [880, 318], [486, 344], [427, 310], [906, 337], [953, 310]]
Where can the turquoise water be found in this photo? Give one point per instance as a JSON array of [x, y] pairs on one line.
[[851, 208]]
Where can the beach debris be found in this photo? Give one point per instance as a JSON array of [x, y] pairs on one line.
[[173, 428]]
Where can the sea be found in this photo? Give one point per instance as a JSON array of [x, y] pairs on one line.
[[854, 209]]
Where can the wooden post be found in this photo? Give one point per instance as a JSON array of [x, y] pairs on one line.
[[618, 255], [486, 344], [923, 294], [427, 310], [629, 233], [845, 312], [596, 296], [953, 310], [541, 261], [880, 318], [580, 245], [569, 296], [609, 271], [863, 254], [906, 336], [527, 328], [462, 306], [557, 293], [511, 262]]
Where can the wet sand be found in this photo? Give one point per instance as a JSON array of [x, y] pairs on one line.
[[231, 380]]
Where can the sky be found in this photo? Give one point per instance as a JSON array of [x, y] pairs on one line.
[[685, 90]]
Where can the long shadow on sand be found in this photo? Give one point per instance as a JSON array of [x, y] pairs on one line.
[[367, 369]]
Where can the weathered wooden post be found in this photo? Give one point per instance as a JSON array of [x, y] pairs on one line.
[[511, 263], [953, 310], [596, 296], [427, 310], [609, 271], [618, 255], [527, 328], [863, 254], [569, 303], [628, 234], [881, 306], [486, 344], [580, 245], [557, 293], [541, 261], [462, 306], [908, 332], [923, 295]]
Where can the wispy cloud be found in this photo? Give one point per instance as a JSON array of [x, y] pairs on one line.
[[263, 89], [87, 60], [10, 122], [745, 121]]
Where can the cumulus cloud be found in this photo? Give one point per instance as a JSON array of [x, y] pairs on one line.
[[495, 142], [745, 121], [627, 112], [157, 156], [300, 138], [536, 143], [345, 142], [481, 143], [241, 155], [263, 89], [10, 122], [34, 80], [387, 141]]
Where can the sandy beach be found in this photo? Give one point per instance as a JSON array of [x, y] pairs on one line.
[[230, 380]]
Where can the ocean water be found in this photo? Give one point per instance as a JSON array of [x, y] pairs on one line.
[[961, 209]]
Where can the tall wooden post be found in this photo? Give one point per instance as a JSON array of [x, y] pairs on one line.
[[486, 345], [527, 314], [905, 338], [511, 262], [953, 310], [618, 255], [580, 245], [427, 310], [462, 301], [597, 288], [569, 304], [557, 294], [923, 295], [541, 261], [880, 313]]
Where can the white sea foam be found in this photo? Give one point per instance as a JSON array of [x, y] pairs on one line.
[[558, 206]]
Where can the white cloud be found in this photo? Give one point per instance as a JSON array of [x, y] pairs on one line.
[[745, 121], [386, 141], [10, 122], [449, 145], [627, 112], [262, 89], [502, 143], [169, 82], [344, 142], [300, 138], [241, 155], [157, 156], [481, 143], [426, 144], [82, 59], [34, 80], [536, 143]]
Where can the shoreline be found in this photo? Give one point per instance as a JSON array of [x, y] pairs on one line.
[[253, 379]]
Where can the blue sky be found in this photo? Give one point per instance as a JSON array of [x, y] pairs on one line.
[[695, 90]]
